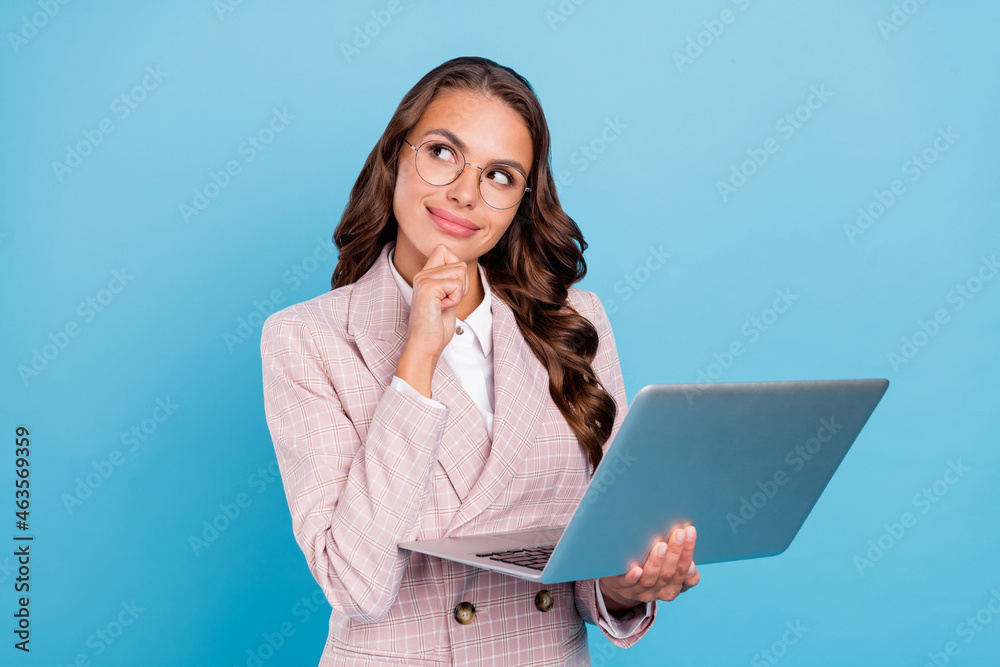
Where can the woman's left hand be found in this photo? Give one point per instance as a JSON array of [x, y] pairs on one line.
[[663, 576]]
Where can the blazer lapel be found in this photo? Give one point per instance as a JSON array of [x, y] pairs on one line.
[[378, 320], [521, 384]]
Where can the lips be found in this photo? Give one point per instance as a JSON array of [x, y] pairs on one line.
[[445, 215]]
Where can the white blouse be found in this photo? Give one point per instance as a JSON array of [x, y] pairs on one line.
[[469, 355]]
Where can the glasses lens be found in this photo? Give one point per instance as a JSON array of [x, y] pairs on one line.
[[501, 186], [440, 163]]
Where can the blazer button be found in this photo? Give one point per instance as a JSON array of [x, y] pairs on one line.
[[465, 612], [543, 600]]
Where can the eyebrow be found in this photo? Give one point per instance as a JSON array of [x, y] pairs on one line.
[[450, 136]]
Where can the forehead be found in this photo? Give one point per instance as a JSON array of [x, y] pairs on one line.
[[489, 128]]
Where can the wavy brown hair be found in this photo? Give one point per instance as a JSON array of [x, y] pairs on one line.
[[531, 267]]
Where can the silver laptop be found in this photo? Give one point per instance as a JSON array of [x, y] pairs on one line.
[[744, 462]]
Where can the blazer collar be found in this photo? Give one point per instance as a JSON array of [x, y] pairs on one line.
[[479, 470]]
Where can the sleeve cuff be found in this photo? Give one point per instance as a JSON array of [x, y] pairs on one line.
[[627, 623], [404, 387]]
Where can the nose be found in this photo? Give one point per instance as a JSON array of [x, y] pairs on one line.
[[465, 189]]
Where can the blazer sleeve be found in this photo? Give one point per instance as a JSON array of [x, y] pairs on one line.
[[608, 369], [352, 500]]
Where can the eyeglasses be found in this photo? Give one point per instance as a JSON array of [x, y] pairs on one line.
[[440, 163]]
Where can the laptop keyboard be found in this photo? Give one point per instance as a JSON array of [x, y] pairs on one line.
[[532, 557]]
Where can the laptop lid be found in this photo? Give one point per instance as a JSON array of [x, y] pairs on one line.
[[743, 462]]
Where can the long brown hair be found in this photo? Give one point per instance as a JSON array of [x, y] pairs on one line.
[[531, 267]]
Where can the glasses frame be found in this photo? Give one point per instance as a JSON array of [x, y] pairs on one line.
[[466, 163]]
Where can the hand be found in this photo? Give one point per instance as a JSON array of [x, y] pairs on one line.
[[661, 577], [438, 288]]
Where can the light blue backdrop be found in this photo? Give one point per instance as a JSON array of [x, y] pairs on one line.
[[716, 156]]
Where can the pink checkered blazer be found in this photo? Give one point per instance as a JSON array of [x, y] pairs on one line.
[[366, 467]]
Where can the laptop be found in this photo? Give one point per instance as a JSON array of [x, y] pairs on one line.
[[744, 462]]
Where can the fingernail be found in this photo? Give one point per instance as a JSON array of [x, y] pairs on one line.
[[661, 549], [690, 533], [679, 537]]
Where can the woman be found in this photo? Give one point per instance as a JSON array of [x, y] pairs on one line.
[[451, 383]]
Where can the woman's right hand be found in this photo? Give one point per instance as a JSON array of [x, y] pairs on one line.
[[438, 288]]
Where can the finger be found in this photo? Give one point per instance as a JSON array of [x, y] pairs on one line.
[[630, 578], [653, 567], [692, 578], [449, 256], [447, 289], [453, 291], [687, 555], [444, 261], [448, 284], [621, 584], [443, 264], [674, 554], [440, 256], [667, 585], [629, 582]]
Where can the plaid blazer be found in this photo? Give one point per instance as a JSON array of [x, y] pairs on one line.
[[366, 467]]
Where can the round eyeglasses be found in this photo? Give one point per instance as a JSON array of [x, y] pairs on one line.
[[439, 163]]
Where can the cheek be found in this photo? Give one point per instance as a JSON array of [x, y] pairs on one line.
[[497, 230], [405, 196], [504, 226]]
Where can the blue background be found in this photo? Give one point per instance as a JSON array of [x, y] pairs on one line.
[[172, 332]]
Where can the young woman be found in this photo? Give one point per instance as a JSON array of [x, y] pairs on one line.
[[454, 382]]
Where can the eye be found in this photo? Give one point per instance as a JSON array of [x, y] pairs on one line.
[[501, 177], [443, 152]]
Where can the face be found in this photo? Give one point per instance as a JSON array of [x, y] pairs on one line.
[[490, 132]]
